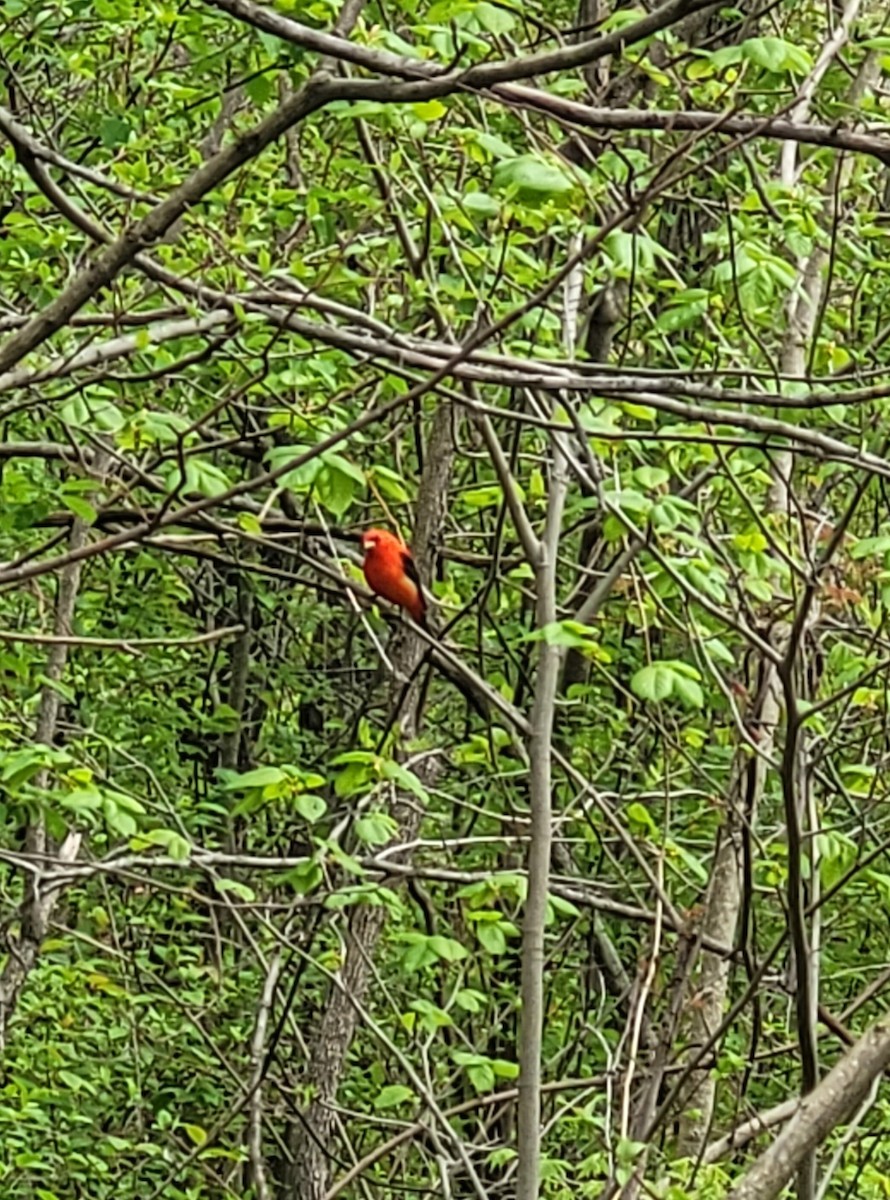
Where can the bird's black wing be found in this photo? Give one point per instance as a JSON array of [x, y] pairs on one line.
[[409, 566]]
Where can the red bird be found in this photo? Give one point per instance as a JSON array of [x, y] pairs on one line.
[[390, 572]]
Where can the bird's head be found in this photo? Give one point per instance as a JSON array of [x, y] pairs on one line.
[[372, 538]]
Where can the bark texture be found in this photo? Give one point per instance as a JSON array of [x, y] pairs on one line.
[[311, 1137], [37, 906], [841, 1091]]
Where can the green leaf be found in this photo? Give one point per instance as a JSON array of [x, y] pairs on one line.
[[250, 524], [84, 800], [75, 1082], [81, 508], [447, 948], [681, 316], [470, 1000], [659, 680], [376, 828], [237, 888], [118, 820], [563, 633], [336, 462], [504, 1069], [431, 1016], [728, 56], [776, 55], [718, 650], [354, 779], [337, 484], [495, 146], [620, 18], [342, 109], [493, 19], [683, 668], [390, 483], [305, 877], [655, 682], [178, 848], [688, 692], [759, 588], [310, 807], [483, 497], [693, 864], [405, 779], [260, 89], [196, 1134], [480, 1070], [127, 803], [392, 1096], [174, 843], [418, 953], [206, 478], [481, 204], [630, 501], [114, 131], [634, 252], [429, 110], [18, 766], [638, 814], [866, 547], [651, 478], [397, 44], [92, 411], [564, 907], [260, 777], [534, 178], [492, 937], [300, 477]]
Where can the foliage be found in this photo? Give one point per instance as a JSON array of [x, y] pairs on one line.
[[258, 385]]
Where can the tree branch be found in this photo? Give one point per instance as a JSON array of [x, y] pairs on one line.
[[839, 1094]]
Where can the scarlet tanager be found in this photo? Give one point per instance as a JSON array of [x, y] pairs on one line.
[[391, 573]]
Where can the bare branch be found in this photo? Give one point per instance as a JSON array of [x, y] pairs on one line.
[[839, 1094]]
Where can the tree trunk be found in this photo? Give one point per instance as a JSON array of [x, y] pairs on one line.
[[311, 1136], [39, 902]]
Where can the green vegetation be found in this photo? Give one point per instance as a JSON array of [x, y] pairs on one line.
[[296, 902]]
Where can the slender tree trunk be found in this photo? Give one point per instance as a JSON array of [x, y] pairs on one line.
[[310, 1138], [720, 921], [724, 902], [540, 748], [38, 903], [540, 790]]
